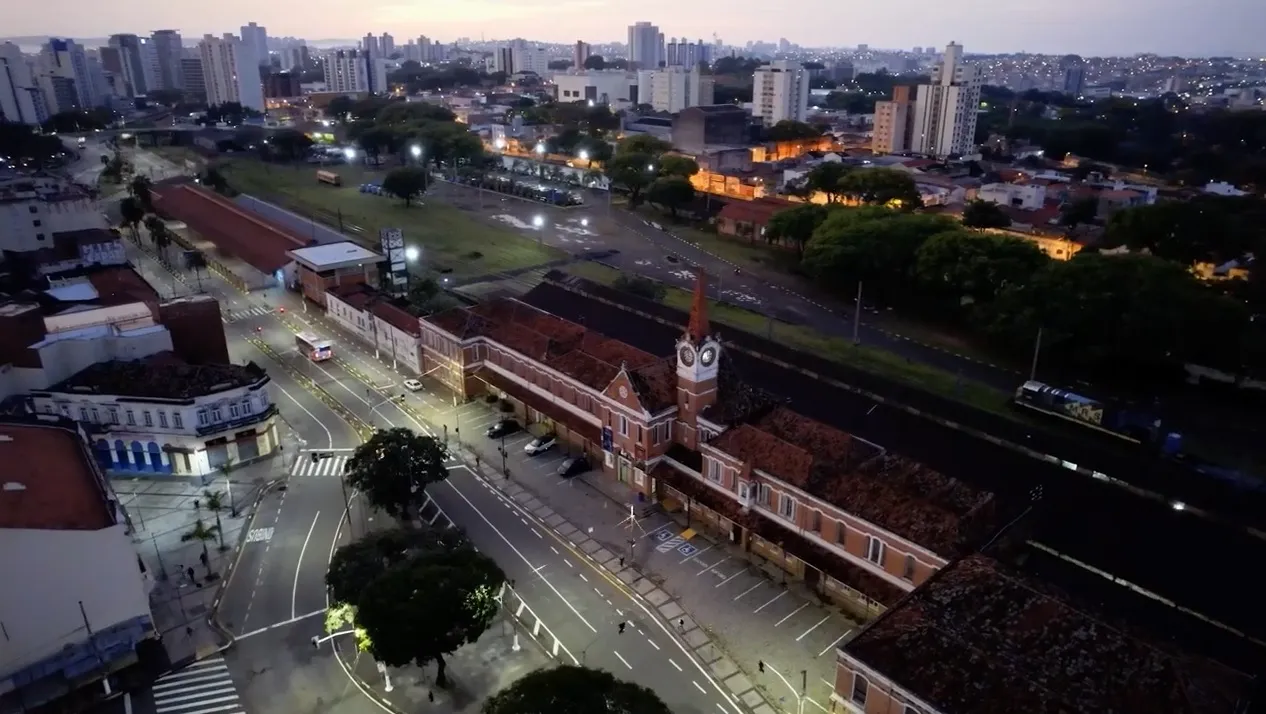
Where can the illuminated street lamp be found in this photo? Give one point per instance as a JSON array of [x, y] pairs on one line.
[[415, 150], [538, 221], [650, 167], [411, 253], [540, 148], [499, 144], [584, 155], [350, 153]]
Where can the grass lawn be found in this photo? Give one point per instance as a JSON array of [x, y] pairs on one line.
[[451, 241], [177, 154], [839, 350]]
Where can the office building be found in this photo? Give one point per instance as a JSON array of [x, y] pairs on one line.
[[346, 71], [295, 58], [282, 85], [780, 92], [168, 51], [1072, 69], [230, 71], [683, 53], [502, 60], [894, 122], [945, 110], [132, 63], [672, 89], [20, 97], [580, 53], [645, 43], [64, 67], [256, 38], [698, 130], [191, 77]]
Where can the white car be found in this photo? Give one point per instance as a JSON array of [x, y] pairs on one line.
[[412, 385], [540, 445]]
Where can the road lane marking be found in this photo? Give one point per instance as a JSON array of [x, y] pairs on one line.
[[626, 662], [518, 553], [746, 591], [699, 687], [652, 643], [788, 617], [670, 661], [537, 533], [582, 577], [283, 623], [811, 629], [771, 602], [568, 562], [294, 591], [834, 644], [328, 434]]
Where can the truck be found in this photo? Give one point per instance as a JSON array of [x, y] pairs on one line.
[[1123, 423]]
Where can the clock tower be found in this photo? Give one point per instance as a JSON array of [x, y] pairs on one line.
[[698, 362]]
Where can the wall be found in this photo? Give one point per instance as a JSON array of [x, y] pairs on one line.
[[17, 221], [58, 570], [69, 353], [881, 697]]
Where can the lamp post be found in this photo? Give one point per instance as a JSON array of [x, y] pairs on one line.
[[416, 151], [804, 685], [538, 222]]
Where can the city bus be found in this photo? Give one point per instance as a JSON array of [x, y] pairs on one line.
[[329, 177], [317, 349]]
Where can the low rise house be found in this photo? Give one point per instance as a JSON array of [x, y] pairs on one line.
[[389, 324]]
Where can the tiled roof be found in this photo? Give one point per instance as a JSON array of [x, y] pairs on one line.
[[117, 285], [907, 498], [162, 376], [758, 211], [981, 637], [394, 311], [234, 230], [55, 487]]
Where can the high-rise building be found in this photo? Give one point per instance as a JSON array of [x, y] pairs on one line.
[[780, 92], [683, 53], [168, 51], [20, 98], [369, 43], [230, 70], [387, 44], [671, 89], [894, 121], [132, 62], [502, 60], [257, 37], [192, 80], [64, 64], [518, 56], [1073, 75], [645, 41], [346, 71], [945, 110], [426, 49], [580, 54]]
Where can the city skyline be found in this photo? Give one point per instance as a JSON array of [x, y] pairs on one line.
[[1164, 27]]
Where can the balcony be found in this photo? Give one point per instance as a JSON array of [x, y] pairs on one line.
[[230, 425]]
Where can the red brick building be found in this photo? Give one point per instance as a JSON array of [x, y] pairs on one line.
[[677, 423]]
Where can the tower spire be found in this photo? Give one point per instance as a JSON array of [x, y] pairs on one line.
[[697, 329]]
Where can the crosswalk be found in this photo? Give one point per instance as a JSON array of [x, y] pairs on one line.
[[203, 687], [231, 316], [330, 466]]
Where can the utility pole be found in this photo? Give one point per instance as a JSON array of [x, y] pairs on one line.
[[1037, 350], [857, 316]]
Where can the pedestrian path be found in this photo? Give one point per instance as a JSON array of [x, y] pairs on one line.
[[203, 687], [330, 466], [231, 316]]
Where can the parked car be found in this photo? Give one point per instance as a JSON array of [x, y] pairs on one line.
[[505, 427], [540, 445], [573, 467], [412, 385]]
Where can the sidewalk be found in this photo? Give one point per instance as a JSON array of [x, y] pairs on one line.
[[163, 512]]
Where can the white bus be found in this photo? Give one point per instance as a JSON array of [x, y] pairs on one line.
[[317, 349]]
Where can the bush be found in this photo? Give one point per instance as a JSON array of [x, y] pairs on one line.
[[641, 287]]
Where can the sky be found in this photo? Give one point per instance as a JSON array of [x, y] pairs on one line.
[[1086, 27]]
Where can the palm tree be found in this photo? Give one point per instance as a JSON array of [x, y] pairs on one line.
[[202, 533], [214, 501], [133, 213], [140, 188]]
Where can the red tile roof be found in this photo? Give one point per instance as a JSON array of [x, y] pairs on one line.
[[118, 285], [57, 487], [393, 311], [907, 498], [981, 637], [234, 230], [758, 211]]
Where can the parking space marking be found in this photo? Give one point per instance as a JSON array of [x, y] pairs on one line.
[[657, 530], [834, 644], [710, 567], [746, 591], [811, 629], [695, 554], [727, 580], [771, 602], [788, 617]]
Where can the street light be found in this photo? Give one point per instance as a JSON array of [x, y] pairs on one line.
[[350, 153], [499, 144], [650, 167], [584, 155], [411, 253], [540, 148], [415, 150], [538, 221]]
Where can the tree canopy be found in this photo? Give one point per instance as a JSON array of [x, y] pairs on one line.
[[406, 183], [394, 467], [568, 689], [984, 214], [795, 226], [671, 192], [1206, 228]]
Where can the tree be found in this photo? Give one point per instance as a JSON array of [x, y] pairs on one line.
[[643, 144], [201, 533], [133, 213], [984, 214], [672, 192], [826, 177], [670, 165], [139, 187], [795, 226], [640, 286], [359, 563], [214, 502], [873, 244], [1206, 228], [339, 107], [1081, 211], [595, 62], [428, 606], [789, 130], [967, 266], [406, 183], [567, 689], [631, 171], [394, 468], [882, 187], [290, 144]]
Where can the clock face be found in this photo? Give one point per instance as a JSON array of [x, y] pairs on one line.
[[686, 355], [708, 356]]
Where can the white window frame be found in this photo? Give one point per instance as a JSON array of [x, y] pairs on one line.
[[235, 411], [147, 418], [162, 419], [216, 414], [131, 417], [715, 472], [865, 689], [787, 507], [876, 550], [114, 416], [624, 425], [177, 421], [83, 414], [763, 495], [204, 417]]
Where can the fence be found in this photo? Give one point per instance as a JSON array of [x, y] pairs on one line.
[[514, 604]]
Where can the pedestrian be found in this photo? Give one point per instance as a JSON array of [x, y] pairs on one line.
[[760, 664], [621, 561], [476, 462], [430, 696], [681, 624], [188, 631], [205, 562], [189, 572], [621, 628]]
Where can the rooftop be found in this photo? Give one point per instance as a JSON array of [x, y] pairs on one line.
[[234, 230], [334, 255], [397, 312], [983, 637], [758, 211], [160, 376], [50, 481]]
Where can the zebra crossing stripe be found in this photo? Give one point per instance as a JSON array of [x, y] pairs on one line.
[[669, 544], [203, 687], [328, 467]]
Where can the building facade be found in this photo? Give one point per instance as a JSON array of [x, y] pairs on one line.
[[169, 49], [320, 268], [609, 87], [230, 70], [780, 92], [894, 122], [193, 79], [672, 89], [696, 129], [20, 98], [645, 42], [64, 64], [580, 53], [346, 71], [1072, 70], [256, 38], [136, 74], [159, 415], [377, 319], [33, 209], [945, 110]]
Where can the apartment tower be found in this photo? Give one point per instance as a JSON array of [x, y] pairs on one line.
[[945, 110]]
